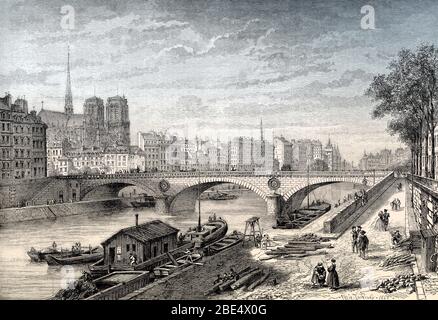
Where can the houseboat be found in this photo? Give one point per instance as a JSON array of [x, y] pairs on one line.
[[140, 247]]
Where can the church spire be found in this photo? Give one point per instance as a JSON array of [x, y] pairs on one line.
[[261, 129], [68, 107]]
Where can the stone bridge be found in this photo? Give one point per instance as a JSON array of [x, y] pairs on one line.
[[177, 191]]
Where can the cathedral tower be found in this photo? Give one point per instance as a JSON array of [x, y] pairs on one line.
[[117, 121], [94, 122]]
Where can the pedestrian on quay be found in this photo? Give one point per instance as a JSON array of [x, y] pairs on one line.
[[319, 275], [362, 243], [354, 236], [386, 218], [332, 278], [380, 223]]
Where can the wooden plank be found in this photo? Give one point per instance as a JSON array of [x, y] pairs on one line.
[[172, 259]]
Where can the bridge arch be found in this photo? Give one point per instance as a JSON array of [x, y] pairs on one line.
[[113, 187], [185, 199], [295, 197]]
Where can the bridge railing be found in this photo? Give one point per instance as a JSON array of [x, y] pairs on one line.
[[159, 175]]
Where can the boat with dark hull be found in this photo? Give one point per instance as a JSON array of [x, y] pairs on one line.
[[224, 243], [218, 196], [82, 258], [145, 202], [41, 255]]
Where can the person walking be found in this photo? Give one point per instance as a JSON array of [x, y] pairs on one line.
[[332, 278], [354, 236], [362, 243], [386, 218]]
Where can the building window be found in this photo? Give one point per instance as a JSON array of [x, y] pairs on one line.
[[128, 248]]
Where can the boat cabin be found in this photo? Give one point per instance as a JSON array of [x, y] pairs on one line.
[[142, 241]]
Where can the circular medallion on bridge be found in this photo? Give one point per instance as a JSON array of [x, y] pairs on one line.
[[164, 185], [274, 183]]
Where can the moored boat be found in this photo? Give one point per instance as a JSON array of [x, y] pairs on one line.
[[145, 202], [222, 196], [82, 258], [39, 255], [181, 263], [209, 232], [225, 243]]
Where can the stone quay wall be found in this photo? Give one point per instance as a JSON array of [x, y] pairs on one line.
[[346, 216]]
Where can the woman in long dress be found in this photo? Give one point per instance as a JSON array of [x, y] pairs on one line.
[[332, 278], [380, 222]]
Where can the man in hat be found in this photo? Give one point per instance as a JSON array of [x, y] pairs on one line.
[[318, 276], [354, 236], [362, 243]]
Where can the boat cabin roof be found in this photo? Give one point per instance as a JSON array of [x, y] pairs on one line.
[[146, 232]]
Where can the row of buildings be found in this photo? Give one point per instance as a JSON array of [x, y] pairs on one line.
[[301, 154], [22, 142], [172, 153], [98, 140], [384, 159]]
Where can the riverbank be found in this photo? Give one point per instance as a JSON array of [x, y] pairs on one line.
[[54, 211], [358, 277]]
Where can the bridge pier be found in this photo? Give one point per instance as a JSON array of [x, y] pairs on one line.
[[162, 205], [273, 207]]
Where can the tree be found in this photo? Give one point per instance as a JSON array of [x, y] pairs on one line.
[[407, 94]]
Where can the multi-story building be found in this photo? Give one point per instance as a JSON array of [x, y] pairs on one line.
[[54, 154], [384, 159], [23, 141], [283, 152]]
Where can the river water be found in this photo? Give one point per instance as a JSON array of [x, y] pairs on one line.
[[22, 279]]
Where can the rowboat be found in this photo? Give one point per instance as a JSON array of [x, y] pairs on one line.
[[82, 258], [179, 264], [41, 255], [225, 243]]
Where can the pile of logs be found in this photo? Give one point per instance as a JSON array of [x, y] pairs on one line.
[[400, 282], [308, 237], [399, 259], [248, 278], [405, 244], [296, 249]]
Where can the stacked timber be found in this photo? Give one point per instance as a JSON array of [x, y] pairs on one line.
[[399, 259], [249, 278], [400, 282], [307, 237], [296, 249]]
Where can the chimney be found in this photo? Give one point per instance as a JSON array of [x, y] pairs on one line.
[[136, 219]]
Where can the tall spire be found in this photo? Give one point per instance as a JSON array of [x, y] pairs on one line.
[[68, 106], [261, 129]]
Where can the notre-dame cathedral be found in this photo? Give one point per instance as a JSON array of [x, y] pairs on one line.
[[100, 125]]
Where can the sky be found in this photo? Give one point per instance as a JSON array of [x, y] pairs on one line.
[[215, 68]]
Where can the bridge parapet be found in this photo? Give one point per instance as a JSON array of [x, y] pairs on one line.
[[192, 174]]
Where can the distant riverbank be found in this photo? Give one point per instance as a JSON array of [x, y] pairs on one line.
[[54, 211]]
